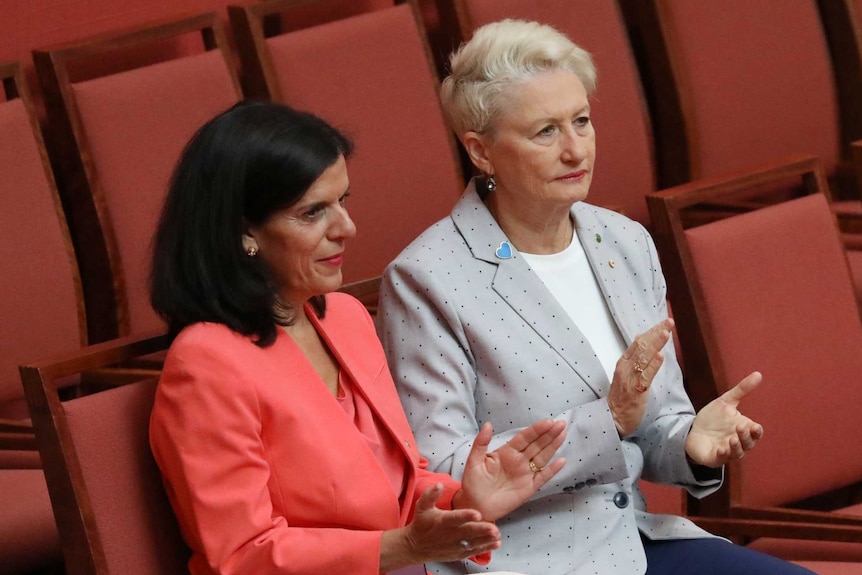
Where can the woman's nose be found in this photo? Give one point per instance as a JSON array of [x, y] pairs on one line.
[[574, 147], [343, 227]]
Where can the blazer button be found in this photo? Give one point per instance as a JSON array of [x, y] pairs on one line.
[[591, 481], [568, 489], [580, 485], [621, 500]]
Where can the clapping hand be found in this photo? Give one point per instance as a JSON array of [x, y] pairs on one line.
[[720, 432], [496, 483]]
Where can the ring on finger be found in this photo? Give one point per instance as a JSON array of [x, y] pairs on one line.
[[464, 543], [641, 386], [638, 369], [534, 468]]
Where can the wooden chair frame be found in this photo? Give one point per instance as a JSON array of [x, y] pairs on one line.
[[83, 197], [704, 369], [18, 435], [43, 380]]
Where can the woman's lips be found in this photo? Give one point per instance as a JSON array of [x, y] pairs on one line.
[[573, 176], [335, 260]]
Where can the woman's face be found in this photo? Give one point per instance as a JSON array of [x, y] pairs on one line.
[[303, 245], [542, 146]]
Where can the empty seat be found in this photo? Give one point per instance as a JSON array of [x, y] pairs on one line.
[[117, 137]]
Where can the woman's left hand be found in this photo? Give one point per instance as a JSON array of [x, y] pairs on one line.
[[496, 483], [720, 432]]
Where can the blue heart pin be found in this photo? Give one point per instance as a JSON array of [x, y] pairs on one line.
[[504, 252]]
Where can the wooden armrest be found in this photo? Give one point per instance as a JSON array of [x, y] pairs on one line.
[[787, 514], [94, 357], [17, 441], [16, 426], [754, 528]]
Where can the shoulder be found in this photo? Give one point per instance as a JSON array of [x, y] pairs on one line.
[[344, 309]]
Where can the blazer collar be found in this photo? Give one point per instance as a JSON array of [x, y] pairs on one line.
[[517, 284]]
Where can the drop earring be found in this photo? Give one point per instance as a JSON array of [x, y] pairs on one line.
[[251, 251], [490, 183]]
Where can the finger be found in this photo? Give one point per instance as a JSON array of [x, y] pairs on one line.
[[735, 394], [480, 445], [542, 450], [649, 342], [735, 448], [536, 432], [429, 498], [743, 432], [542, 477], [649, 372]]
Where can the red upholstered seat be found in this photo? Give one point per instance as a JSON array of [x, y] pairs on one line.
[[625, 170], [770, 290], [370, 76], [112, 511], [121, 134]]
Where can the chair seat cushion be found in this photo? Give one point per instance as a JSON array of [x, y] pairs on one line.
[[28, 534]]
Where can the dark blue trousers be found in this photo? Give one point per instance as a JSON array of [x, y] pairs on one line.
[[712, 557]]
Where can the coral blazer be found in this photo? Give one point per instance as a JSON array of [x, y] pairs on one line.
[[265, 471]]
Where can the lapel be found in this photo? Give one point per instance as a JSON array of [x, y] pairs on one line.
[[364, 367], [523, 291], [601, 250]]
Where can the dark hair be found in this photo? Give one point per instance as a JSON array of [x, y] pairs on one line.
[[242, 166]]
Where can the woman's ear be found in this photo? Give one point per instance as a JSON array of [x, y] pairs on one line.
[[249, 244], [477, 148]]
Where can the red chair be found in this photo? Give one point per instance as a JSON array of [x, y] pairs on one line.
[[43, 314], [117, 137], [770, 289], [371, 76], [626, 162], [112, 512]]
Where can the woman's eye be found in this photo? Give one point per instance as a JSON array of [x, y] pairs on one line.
[[343, 199], [547, 130], [313, 213]]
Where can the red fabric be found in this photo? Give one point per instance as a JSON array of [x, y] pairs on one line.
[[759, 79], [28, 535], [663, 498], [137, 123], [807, 550], [780, 300], [135, 522], [369, 76], [625, 172], [38, 301]]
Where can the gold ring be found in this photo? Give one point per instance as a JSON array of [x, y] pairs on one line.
[[534, 468], [638, 368], [640, 386]]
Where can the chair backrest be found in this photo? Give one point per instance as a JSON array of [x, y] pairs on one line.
[[40, 295], [769, 290], [370, 75], [112, 512], [625, 170], [118, 137], [754, 81]]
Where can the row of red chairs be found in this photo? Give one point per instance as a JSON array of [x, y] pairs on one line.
[[114, 136]]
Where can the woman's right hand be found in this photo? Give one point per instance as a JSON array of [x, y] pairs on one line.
[[437, 535], [633, 376]]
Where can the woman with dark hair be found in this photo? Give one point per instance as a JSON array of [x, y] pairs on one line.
[[276, 426]]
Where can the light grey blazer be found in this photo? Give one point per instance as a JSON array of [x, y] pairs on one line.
[[473, 337]]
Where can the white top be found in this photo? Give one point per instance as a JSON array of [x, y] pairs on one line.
[[570, 279]]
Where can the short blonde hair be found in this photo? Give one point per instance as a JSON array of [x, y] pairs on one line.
[[500, 55]]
